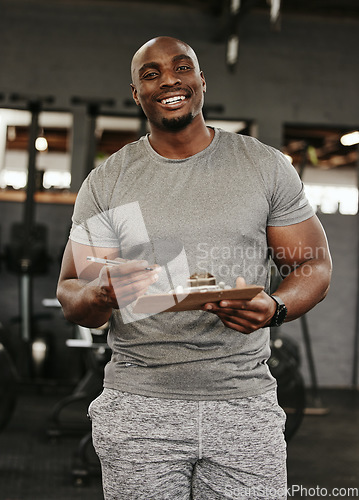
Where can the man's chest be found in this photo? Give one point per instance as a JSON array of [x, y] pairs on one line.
[[211, 219]]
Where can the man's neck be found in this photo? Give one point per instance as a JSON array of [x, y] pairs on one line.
[[182, 144]]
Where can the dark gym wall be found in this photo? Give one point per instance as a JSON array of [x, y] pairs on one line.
[[305, 73]]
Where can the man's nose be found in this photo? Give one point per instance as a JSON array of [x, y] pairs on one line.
[[170, 78]]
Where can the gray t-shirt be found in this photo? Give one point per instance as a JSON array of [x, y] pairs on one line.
[[208, 213]]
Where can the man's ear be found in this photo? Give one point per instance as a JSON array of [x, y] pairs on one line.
[[134, 94], [203, 81]]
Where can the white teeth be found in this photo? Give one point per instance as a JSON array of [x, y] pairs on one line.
[[177, 98]]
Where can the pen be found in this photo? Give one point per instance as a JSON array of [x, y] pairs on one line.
[[112, 262]]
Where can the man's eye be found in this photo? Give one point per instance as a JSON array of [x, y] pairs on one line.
[[183, 67], [151, 74]]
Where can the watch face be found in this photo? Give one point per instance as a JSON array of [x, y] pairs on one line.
[[280, 313]]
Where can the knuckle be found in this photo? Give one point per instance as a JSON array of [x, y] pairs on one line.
[[136, 286]]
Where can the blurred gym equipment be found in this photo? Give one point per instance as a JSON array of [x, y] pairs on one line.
[[8, 386], [26, 254], [284, 365]]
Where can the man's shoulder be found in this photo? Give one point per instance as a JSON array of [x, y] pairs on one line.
[[247, 143], [117, 160], [131, 148]]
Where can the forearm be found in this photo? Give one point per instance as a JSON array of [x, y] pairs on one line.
[[83, 303], [304, 287]]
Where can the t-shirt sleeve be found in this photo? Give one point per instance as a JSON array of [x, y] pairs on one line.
[[91, 221], [288, 202]]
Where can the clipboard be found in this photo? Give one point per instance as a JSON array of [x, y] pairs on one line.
[[168, 302]]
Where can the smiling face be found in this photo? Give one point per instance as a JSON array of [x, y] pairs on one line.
[[167, 83]]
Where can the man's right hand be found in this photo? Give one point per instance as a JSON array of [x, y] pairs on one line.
[[89, 291], [122, 284]]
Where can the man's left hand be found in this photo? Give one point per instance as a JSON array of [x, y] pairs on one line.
[[245, 316]]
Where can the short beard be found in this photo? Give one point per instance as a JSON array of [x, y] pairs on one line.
[[176, 124]]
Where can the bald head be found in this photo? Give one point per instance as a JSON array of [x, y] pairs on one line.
[[157, 45]]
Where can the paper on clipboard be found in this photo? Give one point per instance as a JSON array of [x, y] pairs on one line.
[[169, 302]]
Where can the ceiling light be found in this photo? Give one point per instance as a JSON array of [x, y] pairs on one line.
[[232, 50], [41, 144], [274, 10], [235, 6], [350, 139]]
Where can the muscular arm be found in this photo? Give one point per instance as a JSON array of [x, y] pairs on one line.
[[302, 255], [88, 292]]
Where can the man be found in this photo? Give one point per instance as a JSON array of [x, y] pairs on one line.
[[189, 406]]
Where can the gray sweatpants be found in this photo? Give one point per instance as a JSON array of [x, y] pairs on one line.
[[163, 449]]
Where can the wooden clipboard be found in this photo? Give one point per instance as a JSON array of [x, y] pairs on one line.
[[168, 302]]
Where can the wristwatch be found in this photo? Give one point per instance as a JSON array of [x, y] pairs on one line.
[[280, 313]]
